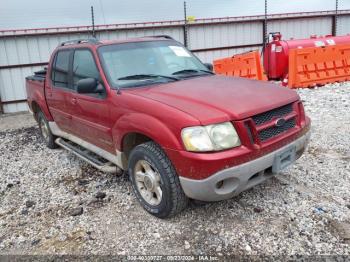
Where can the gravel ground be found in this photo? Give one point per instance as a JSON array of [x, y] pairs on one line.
[[51, 202]]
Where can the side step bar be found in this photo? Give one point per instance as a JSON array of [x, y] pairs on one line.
[[88, 156]]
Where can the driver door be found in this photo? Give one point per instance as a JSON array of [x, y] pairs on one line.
[[90, 113]]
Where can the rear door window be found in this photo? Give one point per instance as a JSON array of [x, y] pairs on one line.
[[60, 69]]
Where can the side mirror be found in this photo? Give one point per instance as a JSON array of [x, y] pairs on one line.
[[209, 66], [87, 86]]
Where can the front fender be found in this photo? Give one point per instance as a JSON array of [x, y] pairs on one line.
[[146, 125]]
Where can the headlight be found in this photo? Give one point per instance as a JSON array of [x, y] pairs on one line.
[[210, 138]]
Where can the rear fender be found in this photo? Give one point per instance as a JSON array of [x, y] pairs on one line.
[[37, 96]]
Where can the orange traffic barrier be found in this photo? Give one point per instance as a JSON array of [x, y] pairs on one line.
[[314, 66], [246, 65]]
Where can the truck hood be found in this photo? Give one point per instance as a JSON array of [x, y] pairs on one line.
[[214, 98]]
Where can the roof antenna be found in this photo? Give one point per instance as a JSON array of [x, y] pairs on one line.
[[93, 22]]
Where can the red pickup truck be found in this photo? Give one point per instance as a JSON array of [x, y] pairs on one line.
[[150, 107]]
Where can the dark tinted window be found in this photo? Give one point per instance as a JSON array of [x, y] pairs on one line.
[[84, 66], [60, 69]]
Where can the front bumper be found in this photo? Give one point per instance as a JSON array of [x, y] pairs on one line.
[[231, 181]]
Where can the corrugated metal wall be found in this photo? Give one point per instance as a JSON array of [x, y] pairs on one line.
[[301, 28], [220, 35], [23, 52], [343, 25], [12, 87]]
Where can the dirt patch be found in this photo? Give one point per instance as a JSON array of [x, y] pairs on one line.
[[341, 230]]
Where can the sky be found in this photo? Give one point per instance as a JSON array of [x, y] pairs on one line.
[[20, 14]]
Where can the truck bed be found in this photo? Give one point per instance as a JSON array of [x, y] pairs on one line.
[[38, 76]]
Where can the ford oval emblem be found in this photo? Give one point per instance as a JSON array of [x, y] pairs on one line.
[[280, 122]]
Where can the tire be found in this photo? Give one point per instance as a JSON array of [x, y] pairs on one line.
[[149, 162], [45, 131]]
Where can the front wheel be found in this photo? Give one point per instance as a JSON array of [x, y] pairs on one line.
[[45, 131], [155, 181]]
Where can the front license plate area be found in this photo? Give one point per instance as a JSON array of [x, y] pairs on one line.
[[284, 159]]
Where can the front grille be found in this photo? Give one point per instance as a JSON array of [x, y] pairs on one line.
[[272, 115], [269, 115], [276, 130]]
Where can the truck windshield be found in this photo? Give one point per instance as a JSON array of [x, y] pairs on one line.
[[149, 62]]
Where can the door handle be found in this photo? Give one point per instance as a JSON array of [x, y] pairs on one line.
[[74, 101]]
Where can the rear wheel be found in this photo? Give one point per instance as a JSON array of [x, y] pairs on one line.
[[155, 181], [45, 131]]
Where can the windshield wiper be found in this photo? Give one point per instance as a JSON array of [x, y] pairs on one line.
[[189, 71], [145, 76]]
